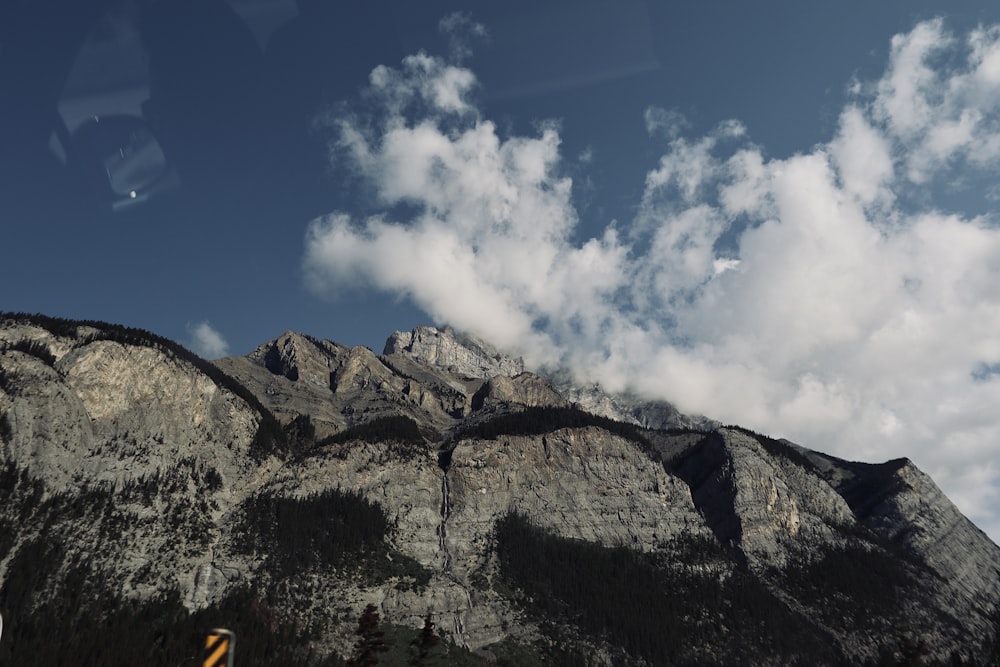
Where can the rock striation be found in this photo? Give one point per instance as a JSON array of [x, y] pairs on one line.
[[97, 420], [132, 469], [453, 352]]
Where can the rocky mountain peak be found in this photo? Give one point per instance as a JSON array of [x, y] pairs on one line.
[[296, 356], [315, 479], [454, 352]]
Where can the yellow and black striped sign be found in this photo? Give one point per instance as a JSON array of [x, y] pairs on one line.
[[219, 645]]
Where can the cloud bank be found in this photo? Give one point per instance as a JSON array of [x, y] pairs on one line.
[[828, 297], [206, 341]]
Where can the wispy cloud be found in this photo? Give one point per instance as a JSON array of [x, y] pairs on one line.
[[461, 30], [824, 297], [667, 122], [206, 341]]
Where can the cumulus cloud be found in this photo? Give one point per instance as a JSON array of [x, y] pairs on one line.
[[206, 341], [818, 297], [939, 98]]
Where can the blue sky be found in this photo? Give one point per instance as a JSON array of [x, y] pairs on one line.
[[777, 214]]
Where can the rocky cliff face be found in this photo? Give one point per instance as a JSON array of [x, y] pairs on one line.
[[451, 352], [162, 449], [904, 506], [133, 469]]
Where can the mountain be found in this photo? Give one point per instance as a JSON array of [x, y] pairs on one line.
[[311, 496]]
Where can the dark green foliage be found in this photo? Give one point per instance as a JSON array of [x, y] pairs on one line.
[[86, 625], [270, 438], [267, 441], [545, 419], [393, 428], [853, 588], [662, 612], [317, 342], [370, 641], [20, 494], [399, 643], [90, 519], [56, 326], [401, 435], [98, 517], [212, 479], [59, 611], [509, 653], [424, 644], [681, 430], [35, 348], [512, 654], [301, 429], [6, 431], [300, 435], [330, 530]]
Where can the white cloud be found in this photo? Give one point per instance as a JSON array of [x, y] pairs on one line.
[[461, 30], [206, 341], [422, 79], [862, 157], [667, 122], [939, 100], [846, 313]]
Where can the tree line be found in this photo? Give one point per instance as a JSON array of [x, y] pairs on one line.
[[538, 420]]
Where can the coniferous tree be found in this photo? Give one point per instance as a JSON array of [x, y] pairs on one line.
[[424, 643], [371, 640]]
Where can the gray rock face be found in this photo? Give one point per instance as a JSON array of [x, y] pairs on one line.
[[553, 478], [337, 386], [171, 454], [763, 505], [470, 357], [903, 505], [445, 520], [453, 352], [108, 417], [151, 411], [525, 390], [291, 376], [107, 411], [937, 531]]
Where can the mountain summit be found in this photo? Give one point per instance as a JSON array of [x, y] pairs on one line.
[[147, 494]]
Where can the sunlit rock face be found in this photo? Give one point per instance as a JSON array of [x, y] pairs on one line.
[[456, 354], [766, 506], [151, 466], [136, 426]]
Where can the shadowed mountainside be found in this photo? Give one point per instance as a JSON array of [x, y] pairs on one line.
[[145, 493]]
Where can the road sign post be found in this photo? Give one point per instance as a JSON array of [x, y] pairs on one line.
[[219, 646]]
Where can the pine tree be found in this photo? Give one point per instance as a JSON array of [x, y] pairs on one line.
[[370, 639], [424, 642]]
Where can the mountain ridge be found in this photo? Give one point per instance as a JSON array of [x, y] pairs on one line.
[[188, 473]]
